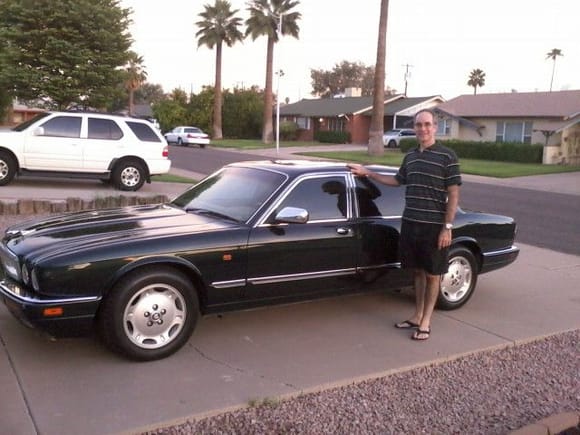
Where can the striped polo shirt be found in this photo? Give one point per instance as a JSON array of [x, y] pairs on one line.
[[426, 175]]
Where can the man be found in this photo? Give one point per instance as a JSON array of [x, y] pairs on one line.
[[432, 178]]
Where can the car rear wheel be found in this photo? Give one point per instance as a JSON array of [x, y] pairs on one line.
[[149, 315], [458, 284], [129, 175], [392, 144], [7, 168]]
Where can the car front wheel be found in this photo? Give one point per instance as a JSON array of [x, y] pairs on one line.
[[7, 168], [149, 315], [129, 176], [458, 284]]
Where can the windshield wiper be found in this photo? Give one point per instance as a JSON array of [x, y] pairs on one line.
[[217, 214]]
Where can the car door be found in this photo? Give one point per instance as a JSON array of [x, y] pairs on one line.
[[292, 260], [55, 145], [104, 143]]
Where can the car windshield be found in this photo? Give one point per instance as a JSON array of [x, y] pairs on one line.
[[24, 125], [232, 193]]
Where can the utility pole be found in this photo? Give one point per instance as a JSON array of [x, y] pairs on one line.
[[407, 75]]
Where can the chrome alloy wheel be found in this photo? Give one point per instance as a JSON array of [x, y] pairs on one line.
[[456, 283], [130, 176], [155, 316], [3, 169]]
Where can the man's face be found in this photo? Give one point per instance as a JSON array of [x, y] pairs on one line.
[[425, 128]]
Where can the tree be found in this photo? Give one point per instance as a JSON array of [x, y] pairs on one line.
[[60, 52], [327, 83], [476, 78], [218, 26], [135, 75], [553, 55], [269, 18], [377, 120], [149, 93]]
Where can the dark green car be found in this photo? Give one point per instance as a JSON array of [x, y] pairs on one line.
[[253, 233]]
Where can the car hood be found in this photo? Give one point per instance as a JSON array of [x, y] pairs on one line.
[[77, 232]]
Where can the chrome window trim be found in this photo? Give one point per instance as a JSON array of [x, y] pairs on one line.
[[261, 221]]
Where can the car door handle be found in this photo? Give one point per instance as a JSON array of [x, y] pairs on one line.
[[343, 231]]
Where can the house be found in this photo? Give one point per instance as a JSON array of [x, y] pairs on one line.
[[352, 114], [548, 118], [18, 113]]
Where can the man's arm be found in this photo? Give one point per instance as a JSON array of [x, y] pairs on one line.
[[361, 171], [452, 201]]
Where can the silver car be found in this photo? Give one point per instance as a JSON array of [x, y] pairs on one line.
[[392, 137]]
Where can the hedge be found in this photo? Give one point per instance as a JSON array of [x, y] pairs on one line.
[[332, 136], [497, 151]]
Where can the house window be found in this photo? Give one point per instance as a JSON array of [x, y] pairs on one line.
[[336, 124], [303, 122], [514, 131], [443, 127]]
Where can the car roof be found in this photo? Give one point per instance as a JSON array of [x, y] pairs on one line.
[[295, 168]]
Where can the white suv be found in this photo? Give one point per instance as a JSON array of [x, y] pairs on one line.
[[392, 138], [122, 150]]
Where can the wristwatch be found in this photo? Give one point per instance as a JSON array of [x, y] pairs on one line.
[[448, 226]]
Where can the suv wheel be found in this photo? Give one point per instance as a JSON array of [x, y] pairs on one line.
[[392, 144], [7, 168], [128, 175]]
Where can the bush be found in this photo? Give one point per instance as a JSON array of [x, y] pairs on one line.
[[496, 151], [332, 136], [288, 130]]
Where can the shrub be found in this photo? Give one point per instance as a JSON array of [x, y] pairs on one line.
[[288, 130], [496, 151], [332, 136]]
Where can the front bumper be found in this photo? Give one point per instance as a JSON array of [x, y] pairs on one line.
[[59, 317], [497, 259]]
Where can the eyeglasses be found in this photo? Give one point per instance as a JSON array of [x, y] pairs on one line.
[[423, 124]]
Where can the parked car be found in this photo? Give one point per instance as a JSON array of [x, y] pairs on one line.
[[392, 138], [122, 150], [253, 233], [187, 135]]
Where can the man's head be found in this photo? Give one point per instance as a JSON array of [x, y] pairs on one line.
[[425, 127]]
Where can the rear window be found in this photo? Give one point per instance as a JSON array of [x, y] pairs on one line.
[[143, 131], [192, 130], [104, 129]]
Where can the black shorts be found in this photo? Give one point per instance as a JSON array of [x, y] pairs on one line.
[[418, 248]]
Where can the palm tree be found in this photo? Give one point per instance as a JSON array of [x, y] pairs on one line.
[[219, 25], [476, 78], [268, 17], [135, 76], [553, 55], [377, 120]]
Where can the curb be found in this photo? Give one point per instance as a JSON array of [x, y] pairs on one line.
[[567, 423], [33, 206]]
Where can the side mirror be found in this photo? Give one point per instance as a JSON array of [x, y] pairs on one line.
[[292, 215], [38, 131]]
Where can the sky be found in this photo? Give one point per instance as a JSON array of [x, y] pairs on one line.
[[442, 41]]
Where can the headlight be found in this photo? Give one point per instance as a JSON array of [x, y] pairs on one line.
[[34, 280], [25, 275], [11, 264]]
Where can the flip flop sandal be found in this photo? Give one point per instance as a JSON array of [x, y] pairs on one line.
[[407, 324], [421, 334]]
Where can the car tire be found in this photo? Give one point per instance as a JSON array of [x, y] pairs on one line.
[[458, 284], [128, 175], [202, 145], [7, 168], [149, 314], [392, 144]]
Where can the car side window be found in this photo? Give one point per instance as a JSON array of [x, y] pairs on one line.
[[323, 197], [104, 129], [143, 131], [63, 126], [388, 200]]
